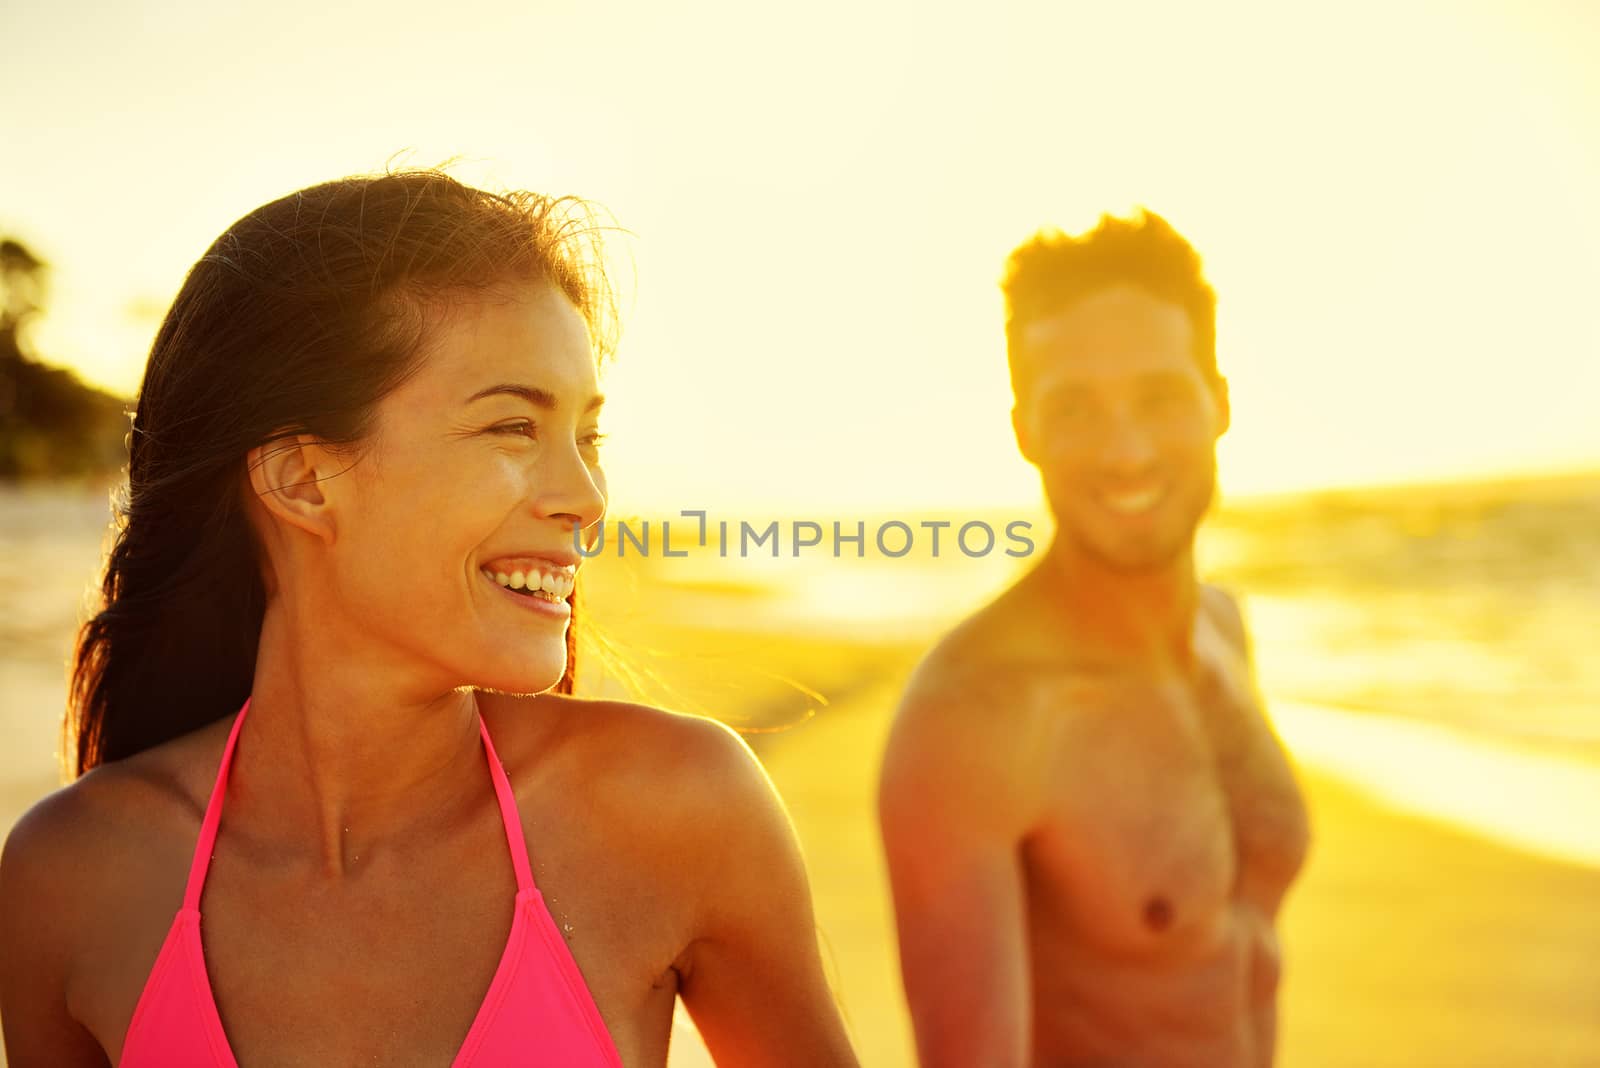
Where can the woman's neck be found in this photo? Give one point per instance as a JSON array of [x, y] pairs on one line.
[[348, 747]]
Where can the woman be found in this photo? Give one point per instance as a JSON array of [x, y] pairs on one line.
[[364, 454]]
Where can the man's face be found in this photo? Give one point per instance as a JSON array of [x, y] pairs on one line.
[[1122, 424]]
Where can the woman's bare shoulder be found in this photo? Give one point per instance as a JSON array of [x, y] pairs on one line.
[[619, 742], [646, 770], [111, 824], [676, 810], [692, 799]]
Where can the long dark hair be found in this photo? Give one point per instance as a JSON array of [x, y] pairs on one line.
[[297, 320]]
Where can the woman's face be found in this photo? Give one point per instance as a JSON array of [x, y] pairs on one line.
[[456, 533]]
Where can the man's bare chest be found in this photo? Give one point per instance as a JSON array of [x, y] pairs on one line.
[[1167, 804]]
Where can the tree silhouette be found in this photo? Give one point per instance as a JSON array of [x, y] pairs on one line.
[[52, 426]]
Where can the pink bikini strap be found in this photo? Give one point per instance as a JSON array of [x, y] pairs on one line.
[[213, 817], [508, 813]]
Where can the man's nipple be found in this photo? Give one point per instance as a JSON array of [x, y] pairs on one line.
[[1158, 913]]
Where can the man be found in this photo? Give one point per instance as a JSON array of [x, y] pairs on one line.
[[1089, 823]]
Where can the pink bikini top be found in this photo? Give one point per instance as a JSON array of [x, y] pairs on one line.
[[538, 1009]]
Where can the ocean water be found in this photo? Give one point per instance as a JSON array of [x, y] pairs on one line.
[[50, 545], [1475, 605]]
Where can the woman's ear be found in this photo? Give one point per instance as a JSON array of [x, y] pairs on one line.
[[286, 476]]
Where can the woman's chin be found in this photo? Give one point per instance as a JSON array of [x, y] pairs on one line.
[[523, 679]]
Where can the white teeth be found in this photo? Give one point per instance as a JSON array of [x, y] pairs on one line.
[[551, 585], [1130, 503]]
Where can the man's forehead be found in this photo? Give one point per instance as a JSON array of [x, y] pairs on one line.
[[1115, 318]]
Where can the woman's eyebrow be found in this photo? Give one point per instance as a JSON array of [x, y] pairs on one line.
[[535, 395], [539, 398]]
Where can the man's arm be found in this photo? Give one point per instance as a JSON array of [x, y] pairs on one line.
[[954, 811]]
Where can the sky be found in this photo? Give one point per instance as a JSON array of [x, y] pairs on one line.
[[1394, 202]]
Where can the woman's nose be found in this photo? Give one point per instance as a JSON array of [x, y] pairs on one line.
[[572, 491]]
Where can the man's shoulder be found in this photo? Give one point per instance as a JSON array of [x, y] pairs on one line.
[[1008, 659], [1223, 608], [983, 726], [992, 641]]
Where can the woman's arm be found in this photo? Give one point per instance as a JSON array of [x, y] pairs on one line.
[[752, 978], [41, 872]]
